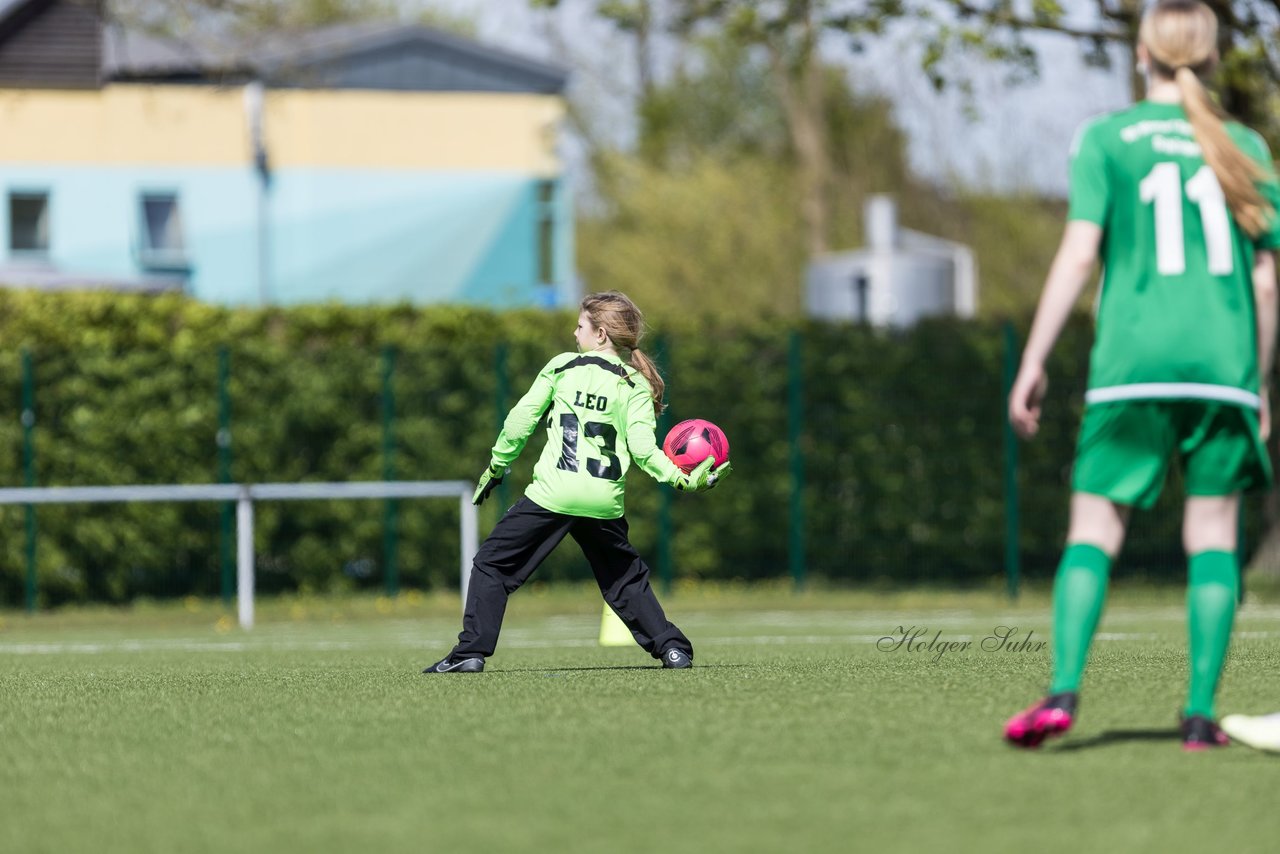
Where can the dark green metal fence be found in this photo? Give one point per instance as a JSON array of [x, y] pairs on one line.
[[860, 456]]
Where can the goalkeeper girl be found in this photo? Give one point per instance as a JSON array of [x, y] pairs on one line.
[[600, 406], [1179, 205]]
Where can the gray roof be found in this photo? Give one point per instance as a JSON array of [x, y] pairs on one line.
[[375, 55], [328, 56]]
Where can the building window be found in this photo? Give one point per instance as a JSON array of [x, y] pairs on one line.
[[163, 246], [546, 232], [29, 223]]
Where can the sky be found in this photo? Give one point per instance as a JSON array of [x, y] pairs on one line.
[[1018, 143]]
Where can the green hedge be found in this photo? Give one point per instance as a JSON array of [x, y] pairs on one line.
[[902, 443]]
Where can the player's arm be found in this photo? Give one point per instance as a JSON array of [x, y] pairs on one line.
[[524, 417], [642, 439], [1089, 204], [642, 443], [519, 425], [1265, 301], [1067, 277]]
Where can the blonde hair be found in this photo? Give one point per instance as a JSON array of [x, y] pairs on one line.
[[617, 315], [1182, 38]]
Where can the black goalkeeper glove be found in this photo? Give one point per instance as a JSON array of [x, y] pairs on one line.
[[492, 476]]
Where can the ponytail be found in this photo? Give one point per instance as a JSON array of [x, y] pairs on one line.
[[649, 371], [617, 315], [1237, 173], [1181, 39]]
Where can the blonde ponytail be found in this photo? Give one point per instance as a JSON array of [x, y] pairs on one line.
[[1181, 37], [618, 316], [649, 371], [1237, 173]]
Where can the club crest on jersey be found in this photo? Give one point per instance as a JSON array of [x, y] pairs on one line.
[[598, 402]]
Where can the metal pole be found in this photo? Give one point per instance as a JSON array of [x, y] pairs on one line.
[[264, 252], [470, 542], [795, 421], [391, 516], [666, 530], [254, 103], [1012, 553], [1241, 551], [244, 558], [501, 392], [227, 533], [29, 471]]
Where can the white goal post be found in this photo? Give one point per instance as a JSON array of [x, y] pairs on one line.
[[245, 494]]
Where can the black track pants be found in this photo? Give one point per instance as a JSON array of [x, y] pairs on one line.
[[523, 539]]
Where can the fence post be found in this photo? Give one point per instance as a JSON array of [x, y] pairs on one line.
[[666, 531], [1012, 552], [391, 519], [226, 560], [500, 395], [1242, 552], [244, 557], [470, 542], [29, 471], [795, 419]]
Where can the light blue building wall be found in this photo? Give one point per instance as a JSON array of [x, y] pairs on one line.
[[407, 164], [354, 235]]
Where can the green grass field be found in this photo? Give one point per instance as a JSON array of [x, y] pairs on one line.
[[165, 729]]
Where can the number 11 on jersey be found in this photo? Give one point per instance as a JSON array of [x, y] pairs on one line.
[[1163, 186]]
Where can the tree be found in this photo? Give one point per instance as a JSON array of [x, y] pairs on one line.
[[787, 32], [1248, 41], [713, 237], [700, 216]]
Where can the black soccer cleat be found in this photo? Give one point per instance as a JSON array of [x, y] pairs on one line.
[[675, 658], [1202, 733], [462, 665]]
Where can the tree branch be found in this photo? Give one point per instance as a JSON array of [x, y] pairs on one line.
[[1016, 22]]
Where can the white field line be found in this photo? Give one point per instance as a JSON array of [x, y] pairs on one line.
[[83, 647], [957, 617], [270, 645]]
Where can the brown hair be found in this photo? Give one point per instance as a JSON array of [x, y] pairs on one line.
[[617, 315], [1182, 38]]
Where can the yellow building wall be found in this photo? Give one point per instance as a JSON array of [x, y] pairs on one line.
[[206, 126]]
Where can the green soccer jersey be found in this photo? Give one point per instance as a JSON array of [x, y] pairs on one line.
[[599, 417], [1175, 314]]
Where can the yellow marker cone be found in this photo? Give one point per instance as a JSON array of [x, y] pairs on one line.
[[614, 632]]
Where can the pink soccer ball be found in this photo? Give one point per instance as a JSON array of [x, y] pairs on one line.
[[690, 442]]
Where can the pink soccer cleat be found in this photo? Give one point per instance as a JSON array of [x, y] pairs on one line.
[[1202, 733], [1050, 717]]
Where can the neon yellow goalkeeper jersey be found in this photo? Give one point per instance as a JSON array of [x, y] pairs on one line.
[[599, 417], [1176, 317]]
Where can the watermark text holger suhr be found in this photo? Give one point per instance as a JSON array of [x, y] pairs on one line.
[[921, 641]]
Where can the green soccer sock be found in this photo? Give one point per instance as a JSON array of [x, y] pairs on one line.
[[1213, 587], [1078, 593]]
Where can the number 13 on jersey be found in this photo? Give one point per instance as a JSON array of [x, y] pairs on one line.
[[1163, 186]]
